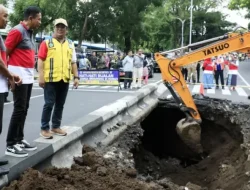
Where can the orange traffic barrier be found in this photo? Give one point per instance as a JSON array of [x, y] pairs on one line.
[[202, 89]]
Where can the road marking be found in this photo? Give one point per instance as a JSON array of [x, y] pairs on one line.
[[240, 91], [32, 97], [106, 86], [243, 79], [96, 90], [211, 91], [226, 91], [159, 81], [91, 86], [196, 89]]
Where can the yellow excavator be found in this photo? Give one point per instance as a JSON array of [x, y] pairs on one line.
[[189, 128]]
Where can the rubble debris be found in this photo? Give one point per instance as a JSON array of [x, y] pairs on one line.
[[151, 156]]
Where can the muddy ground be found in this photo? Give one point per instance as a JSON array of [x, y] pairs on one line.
[[151, 156]]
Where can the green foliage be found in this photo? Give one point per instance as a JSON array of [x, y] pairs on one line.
[[129, 24], [4, 2], [56, 8], [238, 4]]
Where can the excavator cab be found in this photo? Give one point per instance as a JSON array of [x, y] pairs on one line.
[[189, 128]]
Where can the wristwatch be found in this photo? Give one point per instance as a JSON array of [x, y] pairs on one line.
[[76, 78]]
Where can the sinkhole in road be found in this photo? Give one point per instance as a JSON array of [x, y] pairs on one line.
[[163, 154]]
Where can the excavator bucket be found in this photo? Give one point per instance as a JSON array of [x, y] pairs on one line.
[[190, 133]]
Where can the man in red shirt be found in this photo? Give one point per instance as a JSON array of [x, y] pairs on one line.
[[21, 51], [4, 75]]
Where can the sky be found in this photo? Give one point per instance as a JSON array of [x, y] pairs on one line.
[[237, 16]]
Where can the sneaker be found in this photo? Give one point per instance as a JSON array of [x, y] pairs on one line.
[[3, 162], [46, 134], [26, 146], [15, 151], [4, 171], [58, 131]]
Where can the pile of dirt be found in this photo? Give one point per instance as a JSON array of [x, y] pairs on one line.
[[93, 171]]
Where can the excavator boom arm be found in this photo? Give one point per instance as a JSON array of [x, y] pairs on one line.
[[171, 69]]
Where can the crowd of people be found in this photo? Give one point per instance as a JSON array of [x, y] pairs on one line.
[[134, 65], [221, 69]]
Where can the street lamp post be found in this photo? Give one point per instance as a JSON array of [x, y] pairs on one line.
[[182, 30], [191, 22]]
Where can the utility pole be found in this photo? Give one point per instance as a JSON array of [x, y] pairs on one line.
[[191, 22]]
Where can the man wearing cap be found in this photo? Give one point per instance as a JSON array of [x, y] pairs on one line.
[[56, 61]]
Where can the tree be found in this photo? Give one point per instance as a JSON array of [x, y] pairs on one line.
[[4, 2], [55, 9], [164, 29], [239, 4], [128, 19]]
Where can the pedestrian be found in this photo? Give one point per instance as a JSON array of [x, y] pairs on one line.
[[127, 63], [233, 72], [198, 69], [138, 69], [184, 71], [145, 73], [93, 60], [21, 51], [84, 63], [208, 73], [56, 62], [4, 76], [107, 61], [192, 73], [218, 69]]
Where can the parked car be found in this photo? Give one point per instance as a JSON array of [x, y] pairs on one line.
[[156, 67]]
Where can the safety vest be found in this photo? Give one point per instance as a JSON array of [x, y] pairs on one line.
[[57, 65]]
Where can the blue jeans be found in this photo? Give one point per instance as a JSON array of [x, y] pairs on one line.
[[208, 80], [55, 94]]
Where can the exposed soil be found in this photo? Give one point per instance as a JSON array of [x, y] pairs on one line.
[[106, 169], [151, 156], [222, 167]]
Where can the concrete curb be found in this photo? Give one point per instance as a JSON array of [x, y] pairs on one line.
[[101, 126]]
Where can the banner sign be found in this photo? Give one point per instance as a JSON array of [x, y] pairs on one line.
[[99, 77]]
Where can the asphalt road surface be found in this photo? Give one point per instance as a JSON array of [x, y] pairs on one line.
[[239, 95], [89, 98], [79, 102]]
